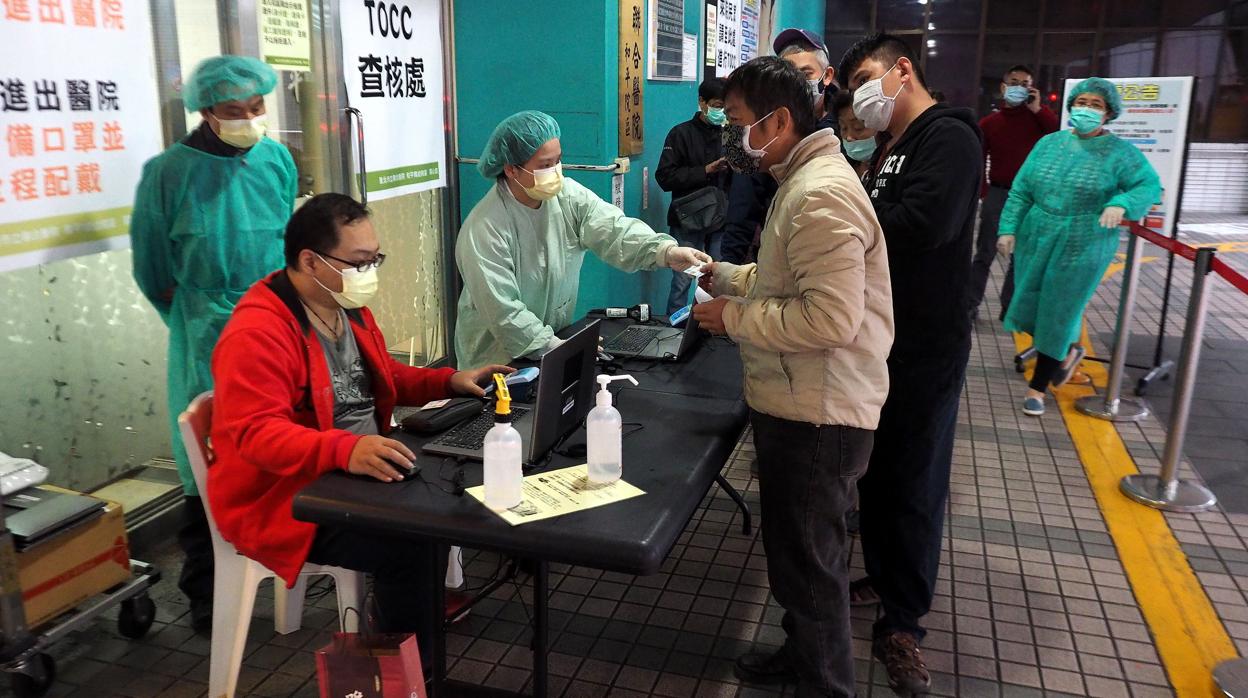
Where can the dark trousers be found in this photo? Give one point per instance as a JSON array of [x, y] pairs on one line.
[[195, 539], [711, 243], [402, 580], [905, 488], [986, 243], [806, 476], [1046, 368]]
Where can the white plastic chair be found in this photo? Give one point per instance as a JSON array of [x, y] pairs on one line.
[[237, 577]]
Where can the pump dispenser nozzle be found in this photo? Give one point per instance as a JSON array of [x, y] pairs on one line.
[[604, 395], [502, 396]]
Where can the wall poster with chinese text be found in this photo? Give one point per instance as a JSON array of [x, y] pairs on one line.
[[285, 39], [632, 78], [392, 65], [80, 116], [1155, 117]]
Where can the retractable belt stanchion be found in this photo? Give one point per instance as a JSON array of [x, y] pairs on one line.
[[1165, 491], [1112, 406]]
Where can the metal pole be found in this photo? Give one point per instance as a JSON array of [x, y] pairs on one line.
[[1112, 407], [1165, 491], [1231, 678]]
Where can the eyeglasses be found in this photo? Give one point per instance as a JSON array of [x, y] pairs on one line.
[[359, 266]]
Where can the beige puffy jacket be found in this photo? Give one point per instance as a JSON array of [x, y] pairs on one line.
[[814, 317]]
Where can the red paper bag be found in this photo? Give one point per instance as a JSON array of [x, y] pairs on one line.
[[373, 666]]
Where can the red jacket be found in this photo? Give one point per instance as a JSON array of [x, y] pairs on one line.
[[1009, 135], [273, 418]]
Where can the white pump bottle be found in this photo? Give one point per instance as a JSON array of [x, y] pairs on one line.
[[604, 431]]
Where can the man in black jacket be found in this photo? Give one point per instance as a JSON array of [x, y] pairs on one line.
[[924, 183], [692, 159]]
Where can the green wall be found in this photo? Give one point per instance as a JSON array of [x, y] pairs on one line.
[[802, 14]]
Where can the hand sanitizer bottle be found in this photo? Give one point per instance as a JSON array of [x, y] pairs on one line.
[[604, 435], [504, 478]]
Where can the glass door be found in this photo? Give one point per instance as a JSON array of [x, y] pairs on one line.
[[307, 115]]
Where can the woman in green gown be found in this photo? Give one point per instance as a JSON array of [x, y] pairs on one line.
[[1061, 223]]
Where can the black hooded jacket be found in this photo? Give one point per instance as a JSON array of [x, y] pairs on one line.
[[925, 190]]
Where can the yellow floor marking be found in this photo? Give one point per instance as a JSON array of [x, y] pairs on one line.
[[1189, 636]]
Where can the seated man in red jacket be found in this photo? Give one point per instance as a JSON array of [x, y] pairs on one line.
[[304, 386]]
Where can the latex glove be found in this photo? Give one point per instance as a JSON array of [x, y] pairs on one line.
[[1111, 217], [681, 258], [1005, 245]]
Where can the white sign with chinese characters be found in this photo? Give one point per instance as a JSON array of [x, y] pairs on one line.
[[76, 131], [392, 64], [727, 37], [285, 42], [1154, 119]]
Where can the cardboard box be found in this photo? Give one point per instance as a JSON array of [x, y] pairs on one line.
[[62, 572]]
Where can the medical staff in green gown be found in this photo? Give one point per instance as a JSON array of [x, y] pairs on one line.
[[208, 222], [520, 250], [1061, 222]]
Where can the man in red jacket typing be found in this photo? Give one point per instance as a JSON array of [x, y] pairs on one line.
[[304, 386], [1009, 135]]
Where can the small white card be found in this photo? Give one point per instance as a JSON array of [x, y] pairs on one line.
[[436, 404], [695, 271], [701, 296]]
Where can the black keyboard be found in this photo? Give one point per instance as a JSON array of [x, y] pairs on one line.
[[632, 340], [471, 434]]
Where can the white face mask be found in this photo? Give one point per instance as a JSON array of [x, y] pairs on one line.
[[243, 133], [547, 183], [745, 140], [358, 287], [872, 106]]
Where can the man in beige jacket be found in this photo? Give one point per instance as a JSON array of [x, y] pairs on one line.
[[814, 322]]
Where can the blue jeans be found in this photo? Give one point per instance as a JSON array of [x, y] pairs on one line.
[[806, 477], [682, 283]]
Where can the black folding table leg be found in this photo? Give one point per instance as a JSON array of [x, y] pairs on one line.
[[747, 525], [437, 554], [540, 627]]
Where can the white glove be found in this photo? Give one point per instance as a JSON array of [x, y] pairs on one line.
[[1111, 217], [681, 258], [1005, 245]]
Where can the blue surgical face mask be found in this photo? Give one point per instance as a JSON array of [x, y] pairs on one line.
[[1086, 119], [860, 151], [716, 116], [1016, 95]]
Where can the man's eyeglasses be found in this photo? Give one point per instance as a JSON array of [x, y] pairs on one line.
[[359, 266]]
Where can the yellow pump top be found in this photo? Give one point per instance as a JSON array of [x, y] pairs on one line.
[[502, 396]]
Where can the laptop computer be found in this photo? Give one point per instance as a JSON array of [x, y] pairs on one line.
[[36, 514], [658, 342], [565, 394]]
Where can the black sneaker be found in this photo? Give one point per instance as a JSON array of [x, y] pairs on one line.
[[765, 668], [907, 674], [201, 616]]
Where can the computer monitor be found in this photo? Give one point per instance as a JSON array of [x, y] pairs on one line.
[[565, 389]]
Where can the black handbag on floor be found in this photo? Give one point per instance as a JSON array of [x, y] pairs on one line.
[[703, 211]]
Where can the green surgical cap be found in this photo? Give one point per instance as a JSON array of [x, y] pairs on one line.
[[225, 79], [1102, 87], [515, 140]]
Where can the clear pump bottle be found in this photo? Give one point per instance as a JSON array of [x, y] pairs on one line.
[[503, 474], [605, 435]]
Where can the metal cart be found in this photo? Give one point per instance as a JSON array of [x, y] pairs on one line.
[[23, 652]]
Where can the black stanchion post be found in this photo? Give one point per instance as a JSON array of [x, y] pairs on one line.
[[1165, 491]]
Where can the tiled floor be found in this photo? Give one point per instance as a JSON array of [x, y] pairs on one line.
[[1032, 599]]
